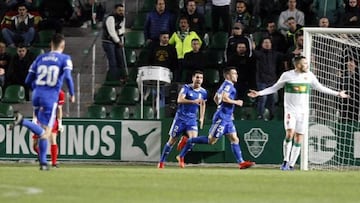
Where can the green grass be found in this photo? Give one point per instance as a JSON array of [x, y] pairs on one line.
[[127, 184]]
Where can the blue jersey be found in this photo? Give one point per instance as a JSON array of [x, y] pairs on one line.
[[47, 72], [190, 111], [225, 110]]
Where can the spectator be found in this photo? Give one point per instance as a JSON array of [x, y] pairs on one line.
[[350, 82], [246, 69], [295, 51], [182, 41], [268, 63], [22, 28], [351, 17], [243, 16], [86, 11], [158, 20], [4, 63], [220, 10], [112, 40], [324, 22], [196, 19], [163, 54], [18, 68], [290, 12], [236, 37], [330, 9], [54, 14], [277, 39], [13, 4], [194, 60], [294, 28]]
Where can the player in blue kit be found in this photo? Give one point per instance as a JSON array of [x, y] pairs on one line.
[[222, 123], [190, 98], [46, 75]]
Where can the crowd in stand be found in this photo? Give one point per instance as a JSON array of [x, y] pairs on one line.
[[21, 22], [263, 36]]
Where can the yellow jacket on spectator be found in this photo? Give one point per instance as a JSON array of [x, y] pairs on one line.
[[183, 46]]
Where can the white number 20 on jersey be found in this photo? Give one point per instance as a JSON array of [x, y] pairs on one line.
[[47, 75]]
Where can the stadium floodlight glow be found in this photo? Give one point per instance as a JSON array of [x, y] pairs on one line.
[[333, 138]]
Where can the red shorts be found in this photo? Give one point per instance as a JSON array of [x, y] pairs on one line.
[[55, 129]]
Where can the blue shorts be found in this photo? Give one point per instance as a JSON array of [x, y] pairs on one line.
[[45, 109], [221, 127], [178, 127]]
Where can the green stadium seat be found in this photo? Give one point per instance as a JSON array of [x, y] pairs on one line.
[[215, 57], [11, 51], [130, 57], [114, 78], [105, 95], [245, 113], [218, 40], [134, 39], [139, 21], [128, 95], [211, 77], [149, 112], [14, 94], [44, 38], [148, 5], [120, 112], [6, 110], [143, 57], [96, 111], [36, 51]]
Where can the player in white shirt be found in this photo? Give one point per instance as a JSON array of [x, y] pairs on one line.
[[296, 85]]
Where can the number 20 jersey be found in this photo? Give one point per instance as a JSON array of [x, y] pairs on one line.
[[49, 69]]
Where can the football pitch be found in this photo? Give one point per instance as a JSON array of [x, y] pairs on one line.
[[199, 184]]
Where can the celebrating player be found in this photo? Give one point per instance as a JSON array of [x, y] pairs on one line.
[[189, 99], [58, 127], [46, 75], [222, 123], [296, 85]]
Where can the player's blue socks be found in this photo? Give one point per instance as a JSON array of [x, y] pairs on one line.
[[35, 128], [43, 143], [199, 140], [165, 153], [237, 152], [190, 144]]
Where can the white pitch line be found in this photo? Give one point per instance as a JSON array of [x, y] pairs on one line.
[[14, 191]]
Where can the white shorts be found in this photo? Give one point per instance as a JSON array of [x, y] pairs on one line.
[[297, 121]]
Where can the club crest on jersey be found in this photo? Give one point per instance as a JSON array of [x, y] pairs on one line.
[[256, 140]]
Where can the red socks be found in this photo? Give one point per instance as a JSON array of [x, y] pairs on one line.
[[54, 153]]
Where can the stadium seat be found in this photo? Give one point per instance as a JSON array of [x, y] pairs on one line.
[[6, 110], [148, 5], [11, 51], [14, 94], [215, 57], [132, 76], [130, 57], [134, 39], [96, 111], [36, 51], [113, 79], [148, 112], [44, 38], [120, 112], [218, 40], [211, 77], [105, 95], [139, 21], [128, 95]]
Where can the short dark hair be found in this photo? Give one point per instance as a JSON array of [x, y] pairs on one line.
[[197, 72], [297, 59], [56, 39], [118, 5], [228, 69]]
